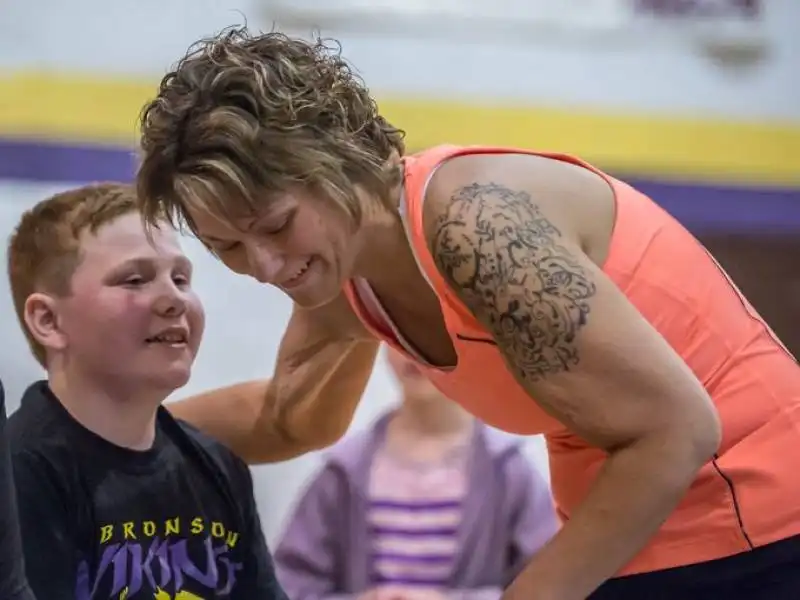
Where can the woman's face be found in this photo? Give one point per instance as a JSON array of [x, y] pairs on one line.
[[303, 245]]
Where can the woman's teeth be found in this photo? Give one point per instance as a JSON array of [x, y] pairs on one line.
[[299, 273]]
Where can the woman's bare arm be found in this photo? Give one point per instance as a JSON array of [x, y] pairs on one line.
[[324, 362], [585, 354]]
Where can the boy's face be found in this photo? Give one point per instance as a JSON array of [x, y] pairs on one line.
[[132, 316]]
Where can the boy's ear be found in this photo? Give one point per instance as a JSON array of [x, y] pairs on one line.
[[41, 318]]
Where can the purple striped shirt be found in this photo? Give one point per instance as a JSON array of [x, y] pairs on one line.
[[414, 514]]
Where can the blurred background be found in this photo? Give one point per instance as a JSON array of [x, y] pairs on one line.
[[697, 102]]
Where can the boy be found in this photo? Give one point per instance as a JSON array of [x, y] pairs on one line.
[[116, 498]]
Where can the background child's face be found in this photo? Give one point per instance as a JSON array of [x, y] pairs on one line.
[[414, 384], [132, 315]]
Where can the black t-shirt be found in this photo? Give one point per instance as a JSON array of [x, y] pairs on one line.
[[12, 572], [178, 521]]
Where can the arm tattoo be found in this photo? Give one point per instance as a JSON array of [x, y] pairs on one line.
[[504, 259]]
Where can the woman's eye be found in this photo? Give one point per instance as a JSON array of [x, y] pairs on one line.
[[273, 228], [223, 247]]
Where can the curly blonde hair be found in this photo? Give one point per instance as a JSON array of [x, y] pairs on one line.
[[242, 118]]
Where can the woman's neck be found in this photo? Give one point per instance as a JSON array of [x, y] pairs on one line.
[[382, 241]]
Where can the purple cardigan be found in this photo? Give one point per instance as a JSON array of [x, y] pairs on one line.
[[508, 515]]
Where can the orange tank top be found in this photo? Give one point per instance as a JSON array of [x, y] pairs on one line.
[[749, 495]]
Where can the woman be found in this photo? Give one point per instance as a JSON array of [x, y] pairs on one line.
[[425, 505], [541, 294]]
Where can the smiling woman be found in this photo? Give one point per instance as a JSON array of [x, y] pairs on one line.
[[540, 293]]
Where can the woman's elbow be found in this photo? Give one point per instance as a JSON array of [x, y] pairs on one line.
[[279, 439], [709, 437], [312, 433], [700, 434]]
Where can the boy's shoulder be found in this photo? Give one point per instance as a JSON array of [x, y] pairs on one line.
[[205, 448], [35, 427]]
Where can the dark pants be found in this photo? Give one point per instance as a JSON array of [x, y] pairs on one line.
[[769, 572], [12, 572]]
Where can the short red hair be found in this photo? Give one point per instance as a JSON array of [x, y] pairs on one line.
[[44, 249]]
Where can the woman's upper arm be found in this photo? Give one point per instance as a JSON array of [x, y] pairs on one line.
[[566, 332]]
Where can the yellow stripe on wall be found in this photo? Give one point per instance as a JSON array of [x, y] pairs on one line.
[[87, 108], [73, 108]]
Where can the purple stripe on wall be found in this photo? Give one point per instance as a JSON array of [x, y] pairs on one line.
[[701, 207], [737, 209], [34, 160]]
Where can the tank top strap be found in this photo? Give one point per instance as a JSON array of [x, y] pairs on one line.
[[419, 169]]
